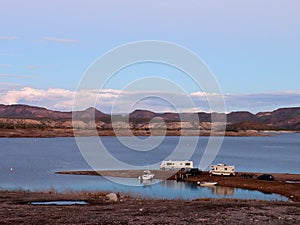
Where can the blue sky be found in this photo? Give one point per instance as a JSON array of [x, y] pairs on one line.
[[251, 46]]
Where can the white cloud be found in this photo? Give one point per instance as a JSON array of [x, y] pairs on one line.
[[124, 102], [59, 99], [257, 102], [203, 94], [105, 100], [58, 40]]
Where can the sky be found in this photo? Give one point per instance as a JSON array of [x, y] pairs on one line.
[[251, 47]]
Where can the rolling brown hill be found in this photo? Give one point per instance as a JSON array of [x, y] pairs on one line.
[[31, 112], [288, 118], [284, 118]]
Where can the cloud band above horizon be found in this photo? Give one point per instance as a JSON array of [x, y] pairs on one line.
[[62, 100]]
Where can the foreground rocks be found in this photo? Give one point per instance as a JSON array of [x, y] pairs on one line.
[[15, 208], [112, 197]]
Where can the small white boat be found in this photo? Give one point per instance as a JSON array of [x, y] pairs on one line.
[[207, 183], [147, 175]]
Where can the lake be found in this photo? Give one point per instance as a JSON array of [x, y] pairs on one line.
[[34, 161]]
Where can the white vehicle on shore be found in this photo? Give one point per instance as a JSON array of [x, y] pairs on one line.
[[222, 170], [170, 164]]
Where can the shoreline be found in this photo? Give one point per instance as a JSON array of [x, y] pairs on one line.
[[279, 186], [16, 208], [69, 132]]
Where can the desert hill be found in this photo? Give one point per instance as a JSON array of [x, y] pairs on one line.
[[25, 116]]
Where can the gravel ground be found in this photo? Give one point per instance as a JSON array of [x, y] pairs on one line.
[[15, 209]]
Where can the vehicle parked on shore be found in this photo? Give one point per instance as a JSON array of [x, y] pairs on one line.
[[222, 170], [193, 172], [247, 176], [268, 177], [170, 164]]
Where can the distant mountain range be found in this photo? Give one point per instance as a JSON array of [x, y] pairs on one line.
[[280, 119]]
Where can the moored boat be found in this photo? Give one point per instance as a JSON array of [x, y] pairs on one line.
[[207, 183], [147, 175]]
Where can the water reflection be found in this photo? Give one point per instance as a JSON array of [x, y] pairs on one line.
[[214, 190], [170, 184], [146, 182], [187, 190], [222, 191], [60, 203]]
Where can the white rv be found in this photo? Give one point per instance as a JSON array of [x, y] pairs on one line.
[[222, 169], [170, 164]]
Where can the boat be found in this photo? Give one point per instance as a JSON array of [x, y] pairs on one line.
[[147, 175], [207, 183]]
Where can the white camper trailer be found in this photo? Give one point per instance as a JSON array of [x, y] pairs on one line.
[[222, 169], [170, 164]]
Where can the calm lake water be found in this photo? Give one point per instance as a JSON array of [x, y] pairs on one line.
[[34, 161]]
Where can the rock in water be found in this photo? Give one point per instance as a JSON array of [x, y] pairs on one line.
[[112, 197]]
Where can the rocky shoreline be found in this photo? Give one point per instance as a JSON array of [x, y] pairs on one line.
[[16, 208], [69, 132]]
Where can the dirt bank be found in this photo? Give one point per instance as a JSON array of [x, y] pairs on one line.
[[15, 208], [68, 132], [281, 185], [159, 174]]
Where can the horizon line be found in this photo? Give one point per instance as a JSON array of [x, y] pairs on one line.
[[140, 109]]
